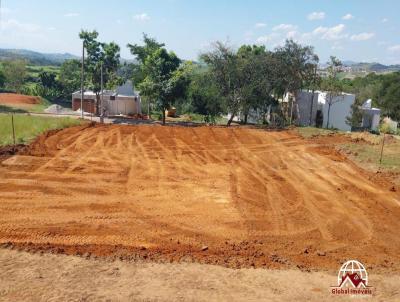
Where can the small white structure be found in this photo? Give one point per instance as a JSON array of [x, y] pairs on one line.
[[339, 111], [123, 101], [370, 116], [317, 107]]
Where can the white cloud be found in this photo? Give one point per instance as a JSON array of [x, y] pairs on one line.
[[316, 16], [71, 15], [264, 39], [337, 46], [331, 33], [15, 25], [284, 27], [291, 34], [394, 48], [384, 20], [141, 17], [260, 25], [348, 17], [362, 36]]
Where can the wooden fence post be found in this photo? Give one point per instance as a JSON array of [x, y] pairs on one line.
[[13, 129]]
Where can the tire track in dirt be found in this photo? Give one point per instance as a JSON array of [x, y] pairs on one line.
[[253, 197]]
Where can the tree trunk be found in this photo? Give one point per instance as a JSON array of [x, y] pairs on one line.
[[230, 120], [245, 118], [163, 116]]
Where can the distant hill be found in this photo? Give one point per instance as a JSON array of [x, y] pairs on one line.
[[35, 58], [371, 67]]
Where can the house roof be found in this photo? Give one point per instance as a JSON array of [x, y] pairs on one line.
[[125, 90], [354, 278]]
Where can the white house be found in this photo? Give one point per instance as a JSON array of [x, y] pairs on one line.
[[123, 101], [340, 109], [317, 107], [370, 116]]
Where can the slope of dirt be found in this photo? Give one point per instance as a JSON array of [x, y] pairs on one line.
[[18, 100], [233, 197], [26, 277]]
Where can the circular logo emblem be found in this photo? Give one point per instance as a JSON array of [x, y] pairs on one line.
[[353, 268]]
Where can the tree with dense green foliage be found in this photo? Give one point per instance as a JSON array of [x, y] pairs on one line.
[[162, 80], [260, 68], [388, 95], [100, 56], [15, 73], [297, 67], [227, 74], [141, 52], [101, 64], [332, 85], [204, 96], [48, 79], [252, 78], [383, 89], [2, 78], [70, 77]]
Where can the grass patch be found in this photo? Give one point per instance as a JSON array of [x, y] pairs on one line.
[[25, 108], [308, 132], [369, 154], [39, 108], [363, 147], [28, 127]]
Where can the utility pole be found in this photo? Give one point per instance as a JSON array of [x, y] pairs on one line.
[[383, 144], [82, 76], [13, 130], [102, 94]]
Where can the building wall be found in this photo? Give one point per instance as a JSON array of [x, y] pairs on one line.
[[88, 105], [340, 110], [123, 105]]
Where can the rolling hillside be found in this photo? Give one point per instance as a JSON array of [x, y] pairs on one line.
[[35, 58]]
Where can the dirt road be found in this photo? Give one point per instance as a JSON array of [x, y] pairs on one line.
[[26, 277], [234, 197]]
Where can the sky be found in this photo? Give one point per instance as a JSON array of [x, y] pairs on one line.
[[357, 30]]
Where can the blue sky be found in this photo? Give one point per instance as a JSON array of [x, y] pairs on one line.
[[356, 30]]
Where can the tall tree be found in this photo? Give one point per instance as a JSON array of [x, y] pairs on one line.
[[204, 95], [226, 70], [69, 77], [2, 78], [259, 68], [296, 61], [332, 85], [141, 53], [162, 78], [15, 73], [100, 56]]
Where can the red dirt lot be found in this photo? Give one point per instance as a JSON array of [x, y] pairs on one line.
[[235, 197], [19, 100]]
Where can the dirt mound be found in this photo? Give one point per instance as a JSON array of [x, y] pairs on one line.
[[233, 197], [19, 99]]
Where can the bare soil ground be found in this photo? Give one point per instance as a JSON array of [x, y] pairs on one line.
[[233, 197], [35, 277], [18, 100]]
